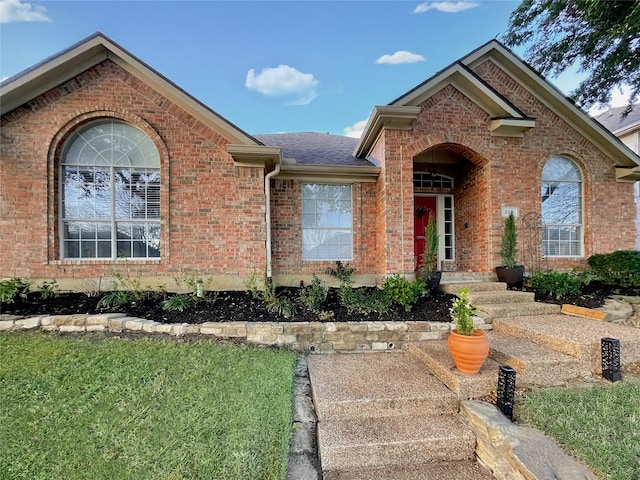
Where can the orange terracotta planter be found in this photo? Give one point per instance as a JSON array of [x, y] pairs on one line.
[[468, 352]]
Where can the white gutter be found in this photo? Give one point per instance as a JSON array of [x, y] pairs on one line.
[[267, 209]]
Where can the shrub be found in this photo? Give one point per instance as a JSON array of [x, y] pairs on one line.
[[558, 284], [399, 290], [268, 295], [342, 272], [115, 299], [314, 295], [178, 303], [618, 269], [363, 300], [508, 247], [49, 289], [12, 289]]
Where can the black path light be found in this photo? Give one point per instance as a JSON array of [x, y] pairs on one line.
[[611, 359], [506, 390]]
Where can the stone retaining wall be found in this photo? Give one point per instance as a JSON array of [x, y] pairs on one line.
[[299, 336]]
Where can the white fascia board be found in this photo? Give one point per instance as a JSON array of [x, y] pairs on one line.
[[511, 127], [391, 117], [255, 155], [627, 174], [328, 173]]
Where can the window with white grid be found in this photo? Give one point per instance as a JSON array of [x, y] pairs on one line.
[[109, 193], [562, 208], [327, 232]]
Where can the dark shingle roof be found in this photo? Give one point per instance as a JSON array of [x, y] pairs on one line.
[[315, 148], [612, 121]]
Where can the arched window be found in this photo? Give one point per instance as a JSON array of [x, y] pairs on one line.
[[562, 208], [109, 193]]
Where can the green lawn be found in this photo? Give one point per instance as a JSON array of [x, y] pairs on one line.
[[599, 425], [106, 408]]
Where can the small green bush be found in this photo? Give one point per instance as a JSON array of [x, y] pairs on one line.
[[115, 299], [363, 300], [267, 293], [314, 295], [13, 289], [399, 290], [342, 272], [558, 284], [178, 303], [618, 269], [49, 289]]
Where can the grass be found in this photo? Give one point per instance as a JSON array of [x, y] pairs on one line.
[[599, 425], [105, 408]]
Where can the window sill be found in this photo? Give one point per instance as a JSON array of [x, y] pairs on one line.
[[106, 261]]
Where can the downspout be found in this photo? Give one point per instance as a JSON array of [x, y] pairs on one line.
[[267, 210]]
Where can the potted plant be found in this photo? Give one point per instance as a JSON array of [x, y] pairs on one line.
[[468, 347], [428, 271], [510, 271]]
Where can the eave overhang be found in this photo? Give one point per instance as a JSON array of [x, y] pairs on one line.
[[257, 156], [385, 117], [327, 173], [511, 127], [627, 174], [48, 74]]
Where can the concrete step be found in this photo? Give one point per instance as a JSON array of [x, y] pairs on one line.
[[460, 470], [437, 358], [454, 287], [500, 297], [348, 444], [377, 384], [448, 277], [501, 310], [577, 337], [535, 364]]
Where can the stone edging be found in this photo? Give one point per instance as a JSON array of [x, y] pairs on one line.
[[298, 336], [518, 451]]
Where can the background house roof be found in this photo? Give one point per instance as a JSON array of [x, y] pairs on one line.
[[311, 148], [611, 119]]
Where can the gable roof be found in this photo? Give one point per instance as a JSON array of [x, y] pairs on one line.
[[87, 53], [460, 74]]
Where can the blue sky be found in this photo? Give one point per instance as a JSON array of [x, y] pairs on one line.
[[270, 66]]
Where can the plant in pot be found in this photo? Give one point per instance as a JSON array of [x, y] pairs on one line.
[[510, 271], [468, 347], [428, 270]]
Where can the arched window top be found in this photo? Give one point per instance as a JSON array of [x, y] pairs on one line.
[[561, 169], [110, 143]]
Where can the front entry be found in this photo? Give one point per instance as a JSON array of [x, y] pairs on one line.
[[423, 208]]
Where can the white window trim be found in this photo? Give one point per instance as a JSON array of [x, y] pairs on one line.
[[302, 227], [112, 221], [582, 209]]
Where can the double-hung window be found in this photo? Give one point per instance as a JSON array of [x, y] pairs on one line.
[[109, 193], [327, 230], [562, 208]]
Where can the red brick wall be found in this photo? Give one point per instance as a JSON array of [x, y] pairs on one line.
[[286, 229], [212, 213], [501, 171]]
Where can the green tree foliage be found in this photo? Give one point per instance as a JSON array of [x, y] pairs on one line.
[[602, 38]]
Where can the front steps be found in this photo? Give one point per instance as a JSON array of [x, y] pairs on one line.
[[384, 416], [495, 301], [545, 347]]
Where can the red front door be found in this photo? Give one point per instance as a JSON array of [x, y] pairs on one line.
[[424, 206]]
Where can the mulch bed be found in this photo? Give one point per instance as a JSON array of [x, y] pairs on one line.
[[240, 306], [227, 306]]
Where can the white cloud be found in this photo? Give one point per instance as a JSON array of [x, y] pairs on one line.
[[18, 11], [447, 7], [284, 81], [619, 98], [355, 131], [401, 56]]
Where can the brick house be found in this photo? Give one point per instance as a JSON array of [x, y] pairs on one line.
[[106, 166]]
